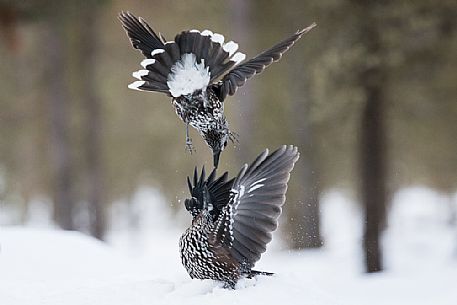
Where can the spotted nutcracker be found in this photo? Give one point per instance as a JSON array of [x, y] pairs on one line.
[[233, 219], [197, 70]]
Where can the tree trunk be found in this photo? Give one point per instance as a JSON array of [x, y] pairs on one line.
[[373, 153], [93, 122], [8, 26], [60, 151], [373, 179]]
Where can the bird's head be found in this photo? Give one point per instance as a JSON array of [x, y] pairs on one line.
[[217, 141], [193, 206], [200, 200]]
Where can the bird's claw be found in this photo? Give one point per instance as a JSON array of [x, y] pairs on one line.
[[189, 147], [234, 137]]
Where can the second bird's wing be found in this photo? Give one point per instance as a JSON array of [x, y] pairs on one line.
[[257, 196]]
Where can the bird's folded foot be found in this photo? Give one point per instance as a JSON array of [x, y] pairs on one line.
[[189, 147], [234, 137]]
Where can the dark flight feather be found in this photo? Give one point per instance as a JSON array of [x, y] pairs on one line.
[[258, 194], [241, 73], [218, 189], [141, 34]]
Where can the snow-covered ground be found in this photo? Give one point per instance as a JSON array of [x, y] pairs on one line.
[[47, 266]]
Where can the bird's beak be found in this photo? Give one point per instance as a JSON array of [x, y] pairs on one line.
[[216, 155]]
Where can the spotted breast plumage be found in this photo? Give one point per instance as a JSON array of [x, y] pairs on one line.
[[197, 70], [233, 220]]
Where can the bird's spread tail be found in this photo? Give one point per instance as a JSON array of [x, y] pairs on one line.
[[191, 62], [218, 190]]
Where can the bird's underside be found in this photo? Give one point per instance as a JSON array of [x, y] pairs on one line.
[[233, 219], [204, 112], [197, 70]]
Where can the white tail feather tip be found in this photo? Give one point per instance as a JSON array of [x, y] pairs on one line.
[[238, 57], [217, 38], [146, 62], [230, 47], [140, 73], [157, 51], [135, 85], [207, 33]]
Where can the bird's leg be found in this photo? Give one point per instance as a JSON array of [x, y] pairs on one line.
[[234, 137], [189, 147]]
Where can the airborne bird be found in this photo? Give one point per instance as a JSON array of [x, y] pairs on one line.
[[197, 70], [233, 220]]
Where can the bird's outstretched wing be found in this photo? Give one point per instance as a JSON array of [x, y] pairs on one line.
[[141, 34], [257, 195], [238, 76]]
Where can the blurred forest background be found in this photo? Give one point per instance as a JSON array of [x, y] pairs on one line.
[[369, 96]]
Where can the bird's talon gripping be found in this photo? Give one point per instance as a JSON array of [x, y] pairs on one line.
[[189, 147], [234, 137]]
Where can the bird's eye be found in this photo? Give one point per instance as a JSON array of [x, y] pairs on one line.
[[225, 144]]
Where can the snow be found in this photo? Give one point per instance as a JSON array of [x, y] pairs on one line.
[[142, 266]]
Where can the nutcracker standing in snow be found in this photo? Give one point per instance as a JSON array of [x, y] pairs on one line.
[[233, 219]]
